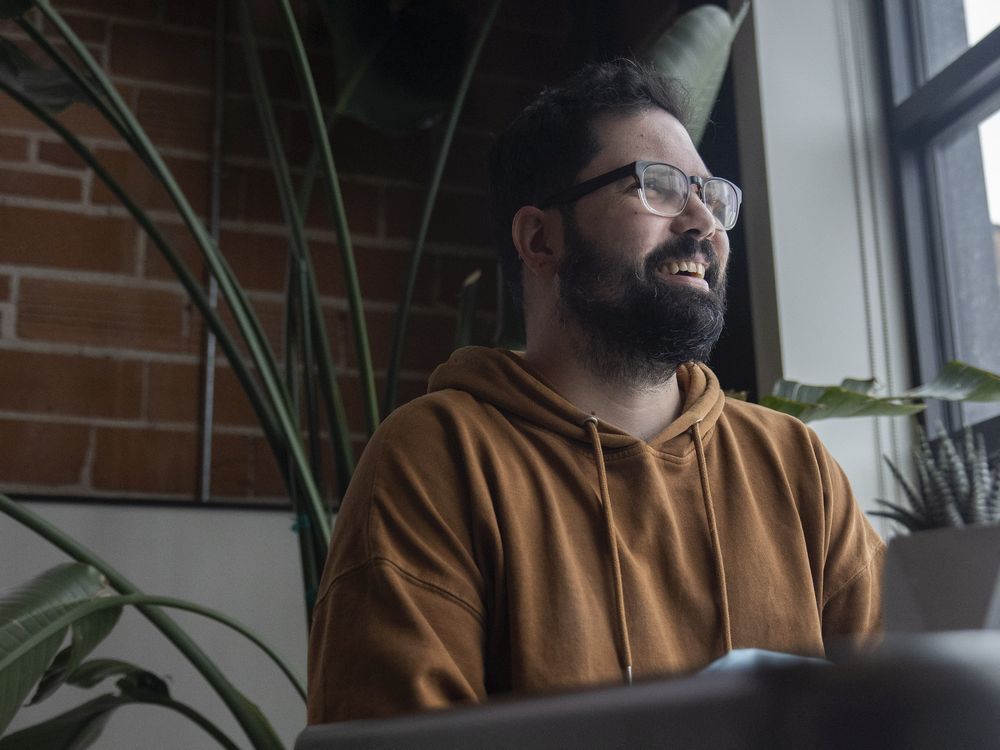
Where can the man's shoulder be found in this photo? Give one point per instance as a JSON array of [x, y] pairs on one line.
[[445, 406], [433, 417], [755, 416]]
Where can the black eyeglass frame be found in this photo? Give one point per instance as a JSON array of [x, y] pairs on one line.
[[636, 170]]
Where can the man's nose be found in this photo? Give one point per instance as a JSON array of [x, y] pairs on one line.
[[695, 219]]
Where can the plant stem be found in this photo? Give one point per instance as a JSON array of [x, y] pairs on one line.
[[315, 116], [403, 313]]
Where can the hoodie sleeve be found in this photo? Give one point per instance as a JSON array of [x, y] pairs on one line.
[[852, 577], [399, 622]]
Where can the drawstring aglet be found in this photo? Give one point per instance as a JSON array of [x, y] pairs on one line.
[[628, 674]]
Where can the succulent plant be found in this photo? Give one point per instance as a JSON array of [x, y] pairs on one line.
[[956, 486]]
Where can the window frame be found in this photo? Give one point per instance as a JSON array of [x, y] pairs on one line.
[[921, 110]]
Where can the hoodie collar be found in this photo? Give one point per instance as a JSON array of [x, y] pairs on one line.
[[503, 378]]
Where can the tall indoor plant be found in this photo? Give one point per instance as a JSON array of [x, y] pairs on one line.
[[83, 600]]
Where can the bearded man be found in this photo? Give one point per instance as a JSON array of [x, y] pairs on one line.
[[593, 509]]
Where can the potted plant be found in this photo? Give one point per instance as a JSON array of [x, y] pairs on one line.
[[944, 574]]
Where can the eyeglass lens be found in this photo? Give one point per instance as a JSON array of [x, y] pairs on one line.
[[665, 189]]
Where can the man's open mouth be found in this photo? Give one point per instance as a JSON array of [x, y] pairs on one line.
[[684, 268]]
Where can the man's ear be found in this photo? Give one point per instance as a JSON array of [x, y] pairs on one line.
[[537, 235]]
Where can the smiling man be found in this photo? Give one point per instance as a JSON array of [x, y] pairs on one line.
[[593, 509]]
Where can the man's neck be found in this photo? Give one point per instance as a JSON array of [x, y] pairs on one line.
[[642, 411]]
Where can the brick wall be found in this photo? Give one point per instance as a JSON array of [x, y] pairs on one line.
[[101, 350]]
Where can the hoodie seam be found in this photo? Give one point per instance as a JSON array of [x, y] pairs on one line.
[[879, 550], [610, 454], [379, 561]]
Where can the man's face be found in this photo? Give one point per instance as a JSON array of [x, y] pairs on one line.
[[638, 321]]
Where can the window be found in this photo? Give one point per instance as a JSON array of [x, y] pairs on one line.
[[943, 85]]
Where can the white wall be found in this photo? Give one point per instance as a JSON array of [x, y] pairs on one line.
[[244, 563], [825, 281]]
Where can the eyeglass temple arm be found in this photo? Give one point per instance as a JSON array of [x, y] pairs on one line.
[[588, 186]]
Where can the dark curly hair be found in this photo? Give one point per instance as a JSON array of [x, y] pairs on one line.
[[552, 139]]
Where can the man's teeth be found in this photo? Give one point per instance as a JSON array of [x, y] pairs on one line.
[[692, 269]]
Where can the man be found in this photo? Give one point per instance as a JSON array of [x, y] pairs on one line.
[[593, 510]]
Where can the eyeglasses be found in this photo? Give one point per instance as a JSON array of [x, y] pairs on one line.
[[664, 190]]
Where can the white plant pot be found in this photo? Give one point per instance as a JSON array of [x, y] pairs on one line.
[[945, 579]]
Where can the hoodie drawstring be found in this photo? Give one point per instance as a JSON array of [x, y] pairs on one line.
[[626, 646], [713, 530]]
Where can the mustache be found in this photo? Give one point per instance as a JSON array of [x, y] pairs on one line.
[[684, 247]]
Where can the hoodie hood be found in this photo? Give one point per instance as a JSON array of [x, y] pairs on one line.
[[477, 371]]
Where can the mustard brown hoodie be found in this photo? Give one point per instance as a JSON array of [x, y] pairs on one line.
[[496, 538]]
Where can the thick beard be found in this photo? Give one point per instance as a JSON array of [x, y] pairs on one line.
[[632, 328]]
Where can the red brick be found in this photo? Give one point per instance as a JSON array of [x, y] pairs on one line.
[[466, 165], [180, 239], [85, 121], [361, 150], [232, 466], [37, 237], [232, 406], [90, 29], [176, 119], [457, 217], [271, 316], [102, 315], [279, 75], [175, 393], [381, 273], [192, 175], [55, 187], [260, 261], [267, 478], [361, 204], [42, 453], [145, 459], [58, 384], [13, 148], [428, 343], [115, 8], [59, 154], [198, 15], [164, 56], [241, 132]]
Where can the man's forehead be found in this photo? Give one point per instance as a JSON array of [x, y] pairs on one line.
[[647, 134]]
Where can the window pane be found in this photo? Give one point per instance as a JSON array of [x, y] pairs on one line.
[[949, 27], [968, 168]]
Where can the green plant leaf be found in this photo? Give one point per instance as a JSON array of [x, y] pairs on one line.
[[852, 398], [259, 731], [960, 382], [52, 90], [27, 609], [95, 671], [421, 46], [87, 632], [695, 49], [14, 8], [80, 727]]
